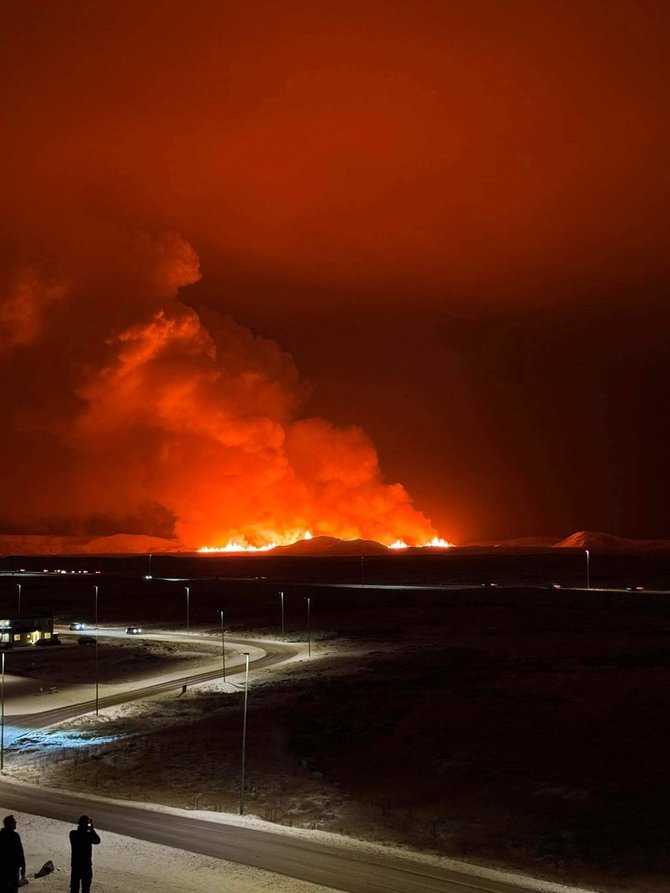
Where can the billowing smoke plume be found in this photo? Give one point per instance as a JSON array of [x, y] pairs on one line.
[[127, 411]]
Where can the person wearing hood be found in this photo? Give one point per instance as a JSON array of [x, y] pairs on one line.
[[82, 840]]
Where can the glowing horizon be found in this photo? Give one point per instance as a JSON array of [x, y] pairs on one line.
[[243, 546]]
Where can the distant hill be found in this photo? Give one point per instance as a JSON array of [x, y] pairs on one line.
[[584, 539], [118, 544], [130, 543], [28, 544], [605, 542], [331, 545], [533, 542], [136, 544]]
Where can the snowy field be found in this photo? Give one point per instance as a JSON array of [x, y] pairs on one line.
[[121, 864]]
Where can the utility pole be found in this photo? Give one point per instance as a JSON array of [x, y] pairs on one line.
[[97, 632], [223, 648], [244, 733]]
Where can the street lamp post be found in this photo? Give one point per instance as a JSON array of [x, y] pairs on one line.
[[223, 648], [283, 630], [309, 627], [244, 732], [2, 717], [188, 617], [97, 684], [588, 569], [19, 586]]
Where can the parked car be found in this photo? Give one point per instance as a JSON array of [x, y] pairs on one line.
[[133, 630], [86, 640], [48, 643]]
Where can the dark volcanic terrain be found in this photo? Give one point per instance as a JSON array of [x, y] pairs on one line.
[[517, 725]]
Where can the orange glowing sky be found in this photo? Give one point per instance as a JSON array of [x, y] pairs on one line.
[[262, 261]]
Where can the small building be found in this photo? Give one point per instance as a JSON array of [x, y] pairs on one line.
[[26, 629]]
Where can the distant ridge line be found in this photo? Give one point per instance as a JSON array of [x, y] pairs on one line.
[[137, 544]]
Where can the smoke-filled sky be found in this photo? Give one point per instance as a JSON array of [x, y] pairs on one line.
[[368, 268]]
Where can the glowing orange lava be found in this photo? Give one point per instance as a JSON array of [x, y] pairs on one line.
[[242, 545], [436, 543]]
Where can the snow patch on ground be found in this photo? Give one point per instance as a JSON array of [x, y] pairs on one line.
[[122, 863]]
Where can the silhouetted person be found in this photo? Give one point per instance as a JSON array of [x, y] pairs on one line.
[[12, 860], [82, 840]]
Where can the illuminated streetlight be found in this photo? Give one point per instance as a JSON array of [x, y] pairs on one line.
[[223, 648], [588, 569], [188, 619], [244, 732], [97, 684], [283, 631]]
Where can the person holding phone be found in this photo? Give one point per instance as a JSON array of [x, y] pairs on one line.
[[82, 840]]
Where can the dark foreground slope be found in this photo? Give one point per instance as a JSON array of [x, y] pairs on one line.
[[523, 727]]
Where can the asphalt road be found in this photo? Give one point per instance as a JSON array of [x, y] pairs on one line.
[[277, 851], [274, 653], [348, 870]]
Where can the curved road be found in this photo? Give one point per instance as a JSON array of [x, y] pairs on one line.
[[274, 653], [352, 870]]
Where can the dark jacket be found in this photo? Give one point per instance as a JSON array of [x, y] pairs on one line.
[[81, 841], [11, 853]]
